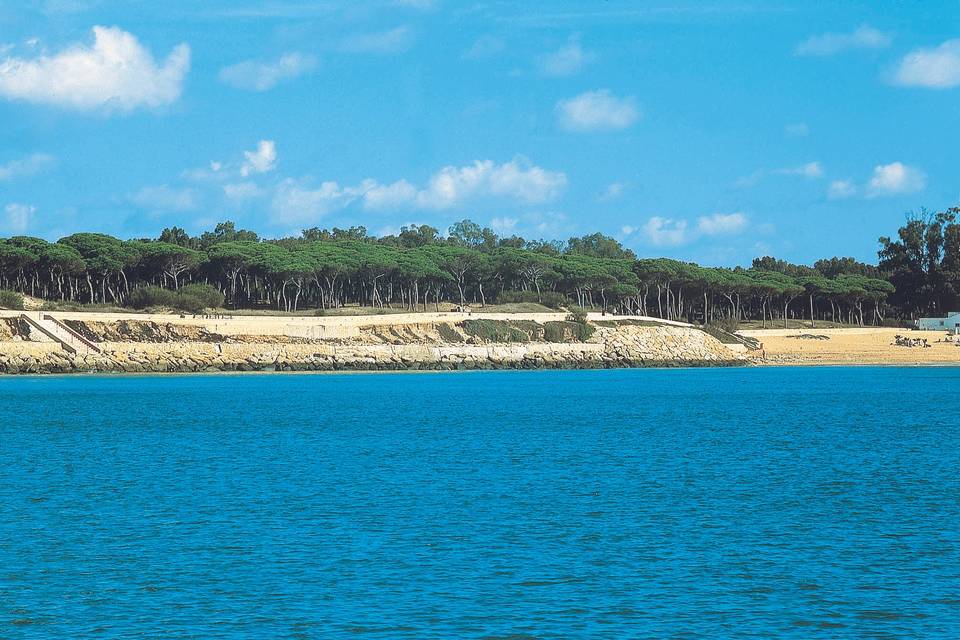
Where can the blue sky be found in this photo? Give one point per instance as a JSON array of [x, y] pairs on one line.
[[712, 132]]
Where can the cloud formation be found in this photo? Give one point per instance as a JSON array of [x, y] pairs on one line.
[[936, 68], [298, 201], [260, 160], [895, 178], [381, 42], [17, 216], [597, 110], [165, 198], [841, 189], [253, 75], [722, 224], [26, 167], [660, 231], [828, 44], [665, 232], [565, 61], [116, 73], [808, 170]]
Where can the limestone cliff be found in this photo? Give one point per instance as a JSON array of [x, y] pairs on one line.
[[133, 345]]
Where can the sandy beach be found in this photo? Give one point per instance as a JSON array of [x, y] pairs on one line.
[[867, 346]]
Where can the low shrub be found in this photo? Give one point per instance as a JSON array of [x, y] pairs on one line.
[[494, 331], [559, 331], [448, 333], [207, 294], [729, 324], [583, 330], [11, 300], [192, 298], [550, 299], [143, 297]]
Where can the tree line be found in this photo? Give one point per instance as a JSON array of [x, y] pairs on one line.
[[420, 268]]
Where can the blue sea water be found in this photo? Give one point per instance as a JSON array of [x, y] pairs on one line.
[[703, 503]]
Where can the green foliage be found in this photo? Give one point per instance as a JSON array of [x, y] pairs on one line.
[[494, 331], [727, 324], [552, 299], [11, 300], [577, 323], [562, 331], [143, 297], [207, 294], [192, 298], [448, 333]]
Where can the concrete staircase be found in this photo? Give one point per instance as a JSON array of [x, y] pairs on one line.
[[68, 339]]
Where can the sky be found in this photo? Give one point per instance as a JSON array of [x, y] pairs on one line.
[[714, 132]]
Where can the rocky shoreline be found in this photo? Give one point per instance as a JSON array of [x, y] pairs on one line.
[[147, 347]]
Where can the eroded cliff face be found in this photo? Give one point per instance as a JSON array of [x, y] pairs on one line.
[[144, 346]]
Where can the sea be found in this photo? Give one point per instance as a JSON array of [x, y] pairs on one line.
[[650, 503]]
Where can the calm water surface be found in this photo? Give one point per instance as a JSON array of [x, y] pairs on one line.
[[714, 503]]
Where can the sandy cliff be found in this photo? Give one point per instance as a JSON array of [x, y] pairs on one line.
[[141, 343]]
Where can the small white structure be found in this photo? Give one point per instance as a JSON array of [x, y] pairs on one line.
[[950, 323]]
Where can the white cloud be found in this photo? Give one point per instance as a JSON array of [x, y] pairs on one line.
[[486, 46], [515, 179], [627, 230], [295, 203], [115, 74], [504, 225], [18, 216], [261, 76], [451, 186], [25, 167], [260, 160], [240, 191], [937, 68], [895, 178], [595, 110], [840, 189], [613, 191], [863, 37], [665, 231], [387, 196], [722, 224], [382, 42], [808, 170], [798, 129], [165, 198], [566, 61]]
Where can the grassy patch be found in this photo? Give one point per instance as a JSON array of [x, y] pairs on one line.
[[499, 330], [448, 333], [11, 300]]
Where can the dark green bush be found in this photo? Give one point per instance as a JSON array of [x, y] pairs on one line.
[[448, 333], [143, 297], [207, 294], [550, 299], [188, 303], [583, 330], [729, 324], [11, 300], [193, 298], [494, 331]]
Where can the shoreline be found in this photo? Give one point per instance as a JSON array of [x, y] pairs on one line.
[[113, 344], [128, 343]]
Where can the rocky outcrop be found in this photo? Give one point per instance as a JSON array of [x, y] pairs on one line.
[[412, 347]]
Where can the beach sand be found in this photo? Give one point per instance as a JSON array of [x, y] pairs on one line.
[[867, 345]]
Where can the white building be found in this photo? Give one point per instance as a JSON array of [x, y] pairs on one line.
[[950, 323]]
